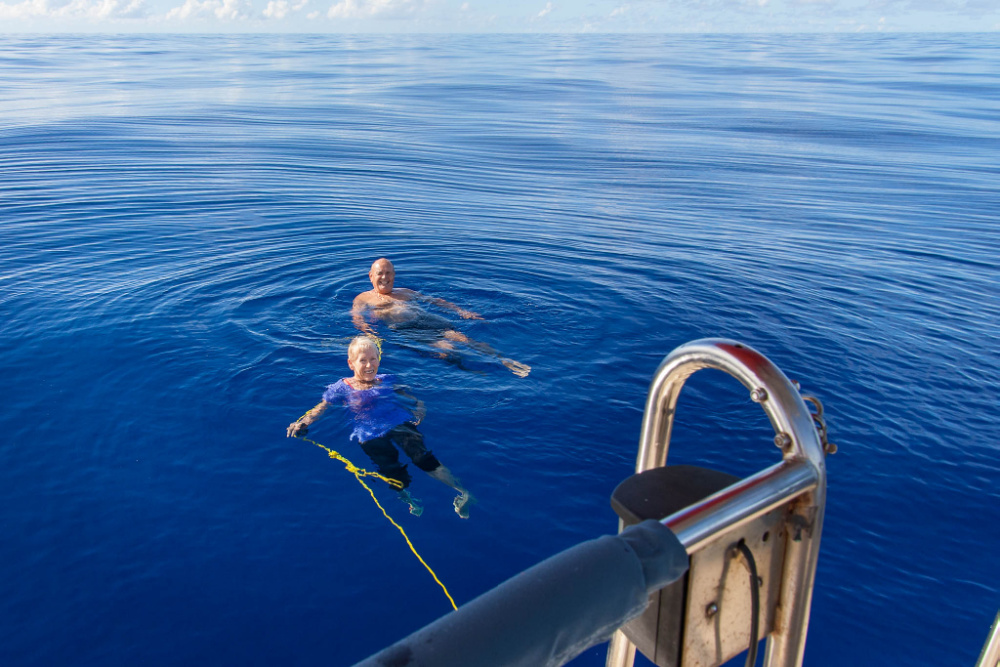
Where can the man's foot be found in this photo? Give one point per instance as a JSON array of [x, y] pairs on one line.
[[416, 509], [516, 367], [444, 347], [462, 502]]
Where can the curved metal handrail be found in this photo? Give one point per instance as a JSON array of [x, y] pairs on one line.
[[801, 474], [769, 387]]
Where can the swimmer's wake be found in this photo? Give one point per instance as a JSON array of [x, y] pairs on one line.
[[361, 472]]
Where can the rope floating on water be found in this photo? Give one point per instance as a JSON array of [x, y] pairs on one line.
[[359, 473]]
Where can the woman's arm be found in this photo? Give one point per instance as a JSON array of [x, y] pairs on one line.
[[301, 425], [419, 411]]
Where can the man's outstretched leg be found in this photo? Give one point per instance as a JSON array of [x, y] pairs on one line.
[[515, 367]]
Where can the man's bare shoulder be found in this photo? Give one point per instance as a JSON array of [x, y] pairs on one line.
[[373, 299], [364, 299], [405, 294]]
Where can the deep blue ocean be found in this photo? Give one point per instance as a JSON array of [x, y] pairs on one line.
[[185, 220]]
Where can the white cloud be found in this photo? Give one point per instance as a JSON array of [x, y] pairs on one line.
[[75, 9], [279, 9], [219, 9], [276, 10], [360, 9], [618, 11], [544, 12]]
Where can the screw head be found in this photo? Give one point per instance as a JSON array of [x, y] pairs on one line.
[[783, 440], [711, 610], [758, 395]]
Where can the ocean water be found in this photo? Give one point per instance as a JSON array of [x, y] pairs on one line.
[[184, 221]]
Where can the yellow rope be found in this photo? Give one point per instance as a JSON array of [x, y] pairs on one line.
[[395, 483]]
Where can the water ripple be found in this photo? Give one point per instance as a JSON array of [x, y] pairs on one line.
[[181, 246]]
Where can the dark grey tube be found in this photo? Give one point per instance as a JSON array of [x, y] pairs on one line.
[[550, 613]]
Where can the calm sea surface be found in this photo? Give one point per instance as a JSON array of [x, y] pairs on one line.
[[184, 222]]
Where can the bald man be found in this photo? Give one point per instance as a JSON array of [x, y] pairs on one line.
[[398, 308]]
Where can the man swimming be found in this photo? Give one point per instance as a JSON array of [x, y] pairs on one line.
[[398, 308]]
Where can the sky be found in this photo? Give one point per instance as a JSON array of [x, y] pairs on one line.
[[477, 16]]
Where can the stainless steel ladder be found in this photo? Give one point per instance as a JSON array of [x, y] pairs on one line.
[[777, 512]]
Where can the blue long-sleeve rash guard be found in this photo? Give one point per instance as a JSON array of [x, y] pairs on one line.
[[376, 411]]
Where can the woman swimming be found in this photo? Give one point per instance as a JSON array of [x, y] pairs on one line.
[[382, 422]]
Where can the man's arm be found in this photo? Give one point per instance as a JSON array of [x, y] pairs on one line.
[[441, 303], [358, 315], [302, 423]]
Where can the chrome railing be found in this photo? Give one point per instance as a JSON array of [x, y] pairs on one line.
[[798, 481], [990, 655]]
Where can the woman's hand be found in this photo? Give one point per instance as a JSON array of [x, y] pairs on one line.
[[301, 425]]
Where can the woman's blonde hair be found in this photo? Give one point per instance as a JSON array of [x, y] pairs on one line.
[[362, 342]]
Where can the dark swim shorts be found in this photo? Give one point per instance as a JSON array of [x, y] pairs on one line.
[[426, 328], [386, 458]]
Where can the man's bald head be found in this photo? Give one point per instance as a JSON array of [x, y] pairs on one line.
[[382, 274], [383, 263]]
